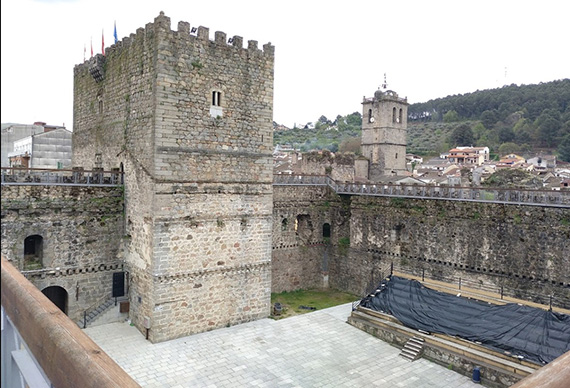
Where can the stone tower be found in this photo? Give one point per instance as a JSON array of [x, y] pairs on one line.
[[384, 125], [189, 120]]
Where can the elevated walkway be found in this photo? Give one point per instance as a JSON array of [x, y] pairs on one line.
[[545, 198]]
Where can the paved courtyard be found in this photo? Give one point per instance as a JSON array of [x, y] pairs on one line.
[[318, 349]]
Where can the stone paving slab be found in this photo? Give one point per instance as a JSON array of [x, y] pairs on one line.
[[317, 349]]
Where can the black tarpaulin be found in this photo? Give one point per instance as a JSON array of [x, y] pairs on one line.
[[535, 334]]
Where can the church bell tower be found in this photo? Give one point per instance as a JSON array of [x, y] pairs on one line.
[[384, 126]]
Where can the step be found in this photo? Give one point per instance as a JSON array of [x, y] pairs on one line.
[[409, 356], [100, 311], [412, 349], [412, 345], [408, 352]]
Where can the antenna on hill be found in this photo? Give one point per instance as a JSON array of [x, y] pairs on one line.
[[385, 84]]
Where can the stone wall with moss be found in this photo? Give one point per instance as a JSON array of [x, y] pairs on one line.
[[301, 249], [80, 230], [523, 249]]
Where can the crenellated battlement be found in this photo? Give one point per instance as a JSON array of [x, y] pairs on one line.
[[185, 32]]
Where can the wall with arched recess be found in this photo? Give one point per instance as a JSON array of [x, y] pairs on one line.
[[300, 252], [81, 230]]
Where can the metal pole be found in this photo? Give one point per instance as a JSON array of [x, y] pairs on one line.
[[423, 272], [460, 283], [84, 319], [391, 268], [550, 304], [501, 292]]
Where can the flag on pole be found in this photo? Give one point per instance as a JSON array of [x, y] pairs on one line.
[[102, 43], [115, 33], [91, 47]]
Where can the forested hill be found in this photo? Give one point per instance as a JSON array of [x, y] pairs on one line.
[[509, 119], [520, 119], [493, 105]]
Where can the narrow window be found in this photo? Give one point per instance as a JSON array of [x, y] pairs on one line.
[[369, 115], [394, 115], [326, 230], [100, 103], [216, 110], [400, 117], [217, 98], [284, 224], [396, 155]]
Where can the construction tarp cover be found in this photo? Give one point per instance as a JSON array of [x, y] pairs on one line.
[[535, 334]]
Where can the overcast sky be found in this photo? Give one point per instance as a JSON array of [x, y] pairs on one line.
[[328, 54]]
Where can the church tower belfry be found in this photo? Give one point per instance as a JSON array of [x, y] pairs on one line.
[[384, 126]]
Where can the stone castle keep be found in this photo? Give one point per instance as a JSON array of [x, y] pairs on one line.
[[190, 122], [201, 231]]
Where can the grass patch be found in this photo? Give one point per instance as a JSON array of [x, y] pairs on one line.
[[317, 299], [343, 245]]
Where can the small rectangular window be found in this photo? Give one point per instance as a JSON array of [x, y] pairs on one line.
[[216, 98]]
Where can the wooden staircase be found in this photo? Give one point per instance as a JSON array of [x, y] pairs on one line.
[[412, 349]]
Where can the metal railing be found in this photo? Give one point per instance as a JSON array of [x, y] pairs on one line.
[[551, 198], [499, 291], [301, 180], [73, 177]]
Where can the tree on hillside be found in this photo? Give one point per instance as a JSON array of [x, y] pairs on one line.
[[489, 118], [506, 134], [509, 148], [564, 148], [462, 136], [351, 144], [450, 117], [523, 130], [323, 120], [548, 125], [354, 119]]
